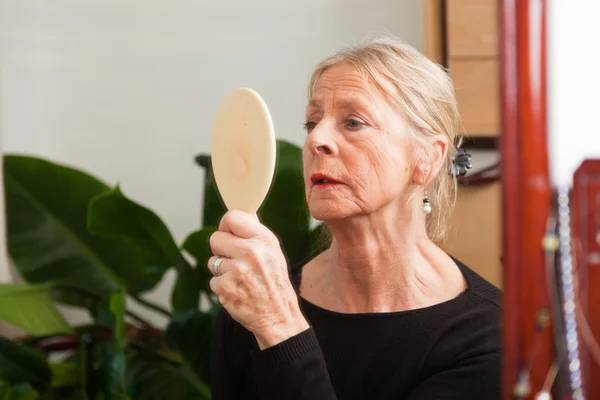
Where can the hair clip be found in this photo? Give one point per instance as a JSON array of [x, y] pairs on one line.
[[461, 163]]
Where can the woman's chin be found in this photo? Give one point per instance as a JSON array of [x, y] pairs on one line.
[[328, 212]]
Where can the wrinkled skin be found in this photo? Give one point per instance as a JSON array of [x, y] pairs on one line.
[[357, 138]]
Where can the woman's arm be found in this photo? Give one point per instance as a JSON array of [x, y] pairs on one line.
[[223, 384], [251, 279], [294, 369]]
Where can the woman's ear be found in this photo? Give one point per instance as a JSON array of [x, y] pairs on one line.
[[422, 172], [429, 166], [441, 145]]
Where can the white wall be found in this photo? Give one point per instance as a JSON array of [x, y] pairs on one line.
[[128, 89], [573, 86]]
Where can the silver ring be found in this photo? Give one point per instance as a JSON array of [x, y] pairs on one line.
[[217, 265]]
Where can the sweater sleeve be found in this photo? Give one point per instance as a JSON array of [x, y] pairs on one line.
[[294, 369], [222, 374], [475, 378]]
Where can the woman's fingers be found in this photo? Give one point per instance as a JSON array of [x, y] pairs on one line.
[[225, 244], [218, 265], [241, 224], [215, 286]]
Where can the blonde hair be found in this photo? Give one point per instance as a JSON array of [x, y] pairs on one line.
[[423, 93]]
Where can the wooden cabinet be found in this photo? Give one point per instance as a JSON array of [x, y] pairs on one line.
[[474, 235], [472, 28], [477, 94], [472, 55], [463, 36]]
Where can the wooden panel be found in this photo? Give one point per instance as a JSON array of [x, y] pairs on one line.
[[433, 23], [472, 27], [475, 230], [476, 82], [586, 231]]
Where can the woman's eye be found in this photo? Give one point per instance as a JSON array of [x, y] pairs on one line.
[[353, 124], [309, 126]]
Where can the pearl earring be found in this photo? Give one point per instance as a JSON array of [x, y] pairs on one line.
[[426, 204]]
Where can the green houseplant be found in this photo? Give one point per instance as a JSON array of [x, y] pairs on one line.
[[76, 241]]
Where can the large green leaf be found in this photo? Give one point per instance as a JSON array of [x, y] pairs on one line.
[[197, 244], [112, 214], [18, 364], [214, 207], [186, 292], [30, 308], [285, 211], [47, 234], [190, 333], [21, 391], [149, 378]]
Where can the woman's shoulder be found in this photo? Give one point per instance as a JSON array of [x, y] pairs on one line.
[[471, 328], [480, 311], [480, 287]]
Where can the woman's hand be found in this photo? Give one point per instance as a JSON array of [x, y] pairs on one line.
[[252, 281]]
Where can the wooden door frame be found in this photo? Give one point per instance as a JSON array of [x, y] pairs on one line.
[[527, 195]]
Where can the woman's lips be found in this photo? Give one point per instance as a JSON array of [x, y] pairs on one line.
[[322, 180]]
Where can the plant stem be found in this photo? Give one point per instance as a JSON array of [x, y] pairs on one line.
[[152, 306]]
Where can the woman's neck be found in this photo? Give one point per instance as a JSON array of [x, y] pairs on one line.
[[381, 265]]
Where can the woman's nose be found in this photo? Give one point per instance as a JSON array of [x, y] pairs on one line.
[[322, 142], [324, 149]]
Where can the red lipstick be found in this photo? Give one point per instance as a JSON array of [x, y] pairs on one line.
[[318, 179]]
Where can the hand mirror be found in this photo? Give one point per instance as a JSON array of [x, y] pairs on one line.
[[244, 150]]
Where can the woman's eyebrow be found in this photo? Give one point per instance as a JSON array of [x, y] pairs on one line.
[[352, 103], [343, 104], [313, 104]]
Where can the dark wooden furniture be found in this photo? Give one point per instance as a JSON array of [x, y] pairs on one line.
[[585, 206]]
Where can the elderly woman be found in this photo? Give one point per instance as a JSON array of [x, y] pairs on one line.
[[383, 313]]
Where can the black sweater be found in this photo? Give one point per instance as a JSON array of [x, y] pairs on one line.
[[447, 351]]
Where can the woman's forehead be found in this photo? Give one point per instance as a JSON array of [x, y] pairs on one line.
[[342, 77], [344, 86], [342, 100], [367, 100]]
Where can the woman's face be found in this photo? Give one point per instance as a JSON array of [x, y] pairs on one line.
[[357, 155]]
